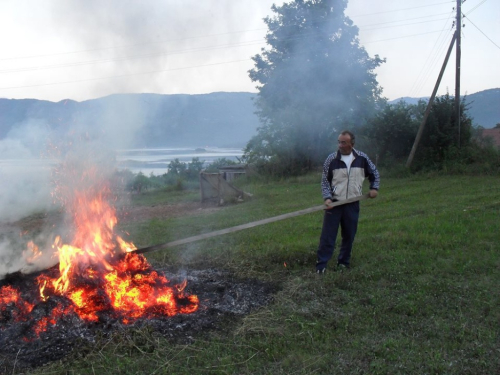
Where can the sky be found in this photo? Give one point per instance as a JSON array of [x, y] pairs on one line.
[[85, 49]]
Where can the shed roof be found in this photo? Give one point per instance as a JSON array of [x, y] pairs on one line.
[[233, 167]]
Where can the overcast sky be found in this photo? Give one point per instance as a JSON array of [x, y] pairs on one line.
[[58, 49]]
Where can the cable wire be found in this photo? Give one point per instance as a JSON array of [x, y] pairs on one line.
[[431, 61], [184, 39], [248, 43], [123, 75], [487, 37], [166, 54]]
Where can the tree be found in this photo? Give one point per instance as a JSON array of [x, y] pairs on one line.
[[391, 132], [218, 163], [194, 168], [440, 136], [177, 167], [140, 182], [313, 81]]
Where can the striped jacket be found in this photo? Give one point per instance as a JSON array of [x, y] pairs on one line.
[[338, 184]]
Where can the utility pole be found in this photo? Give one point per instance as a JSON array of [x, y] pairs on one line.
[[457, 67]]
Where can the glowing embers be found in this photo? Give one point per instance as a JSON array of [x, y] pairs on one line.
[[99, 276], [131, 290], [19, 308]]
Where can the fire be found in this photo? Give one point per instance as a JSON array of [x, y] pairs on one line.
[[11, 296], [98, 272], [32, 253]]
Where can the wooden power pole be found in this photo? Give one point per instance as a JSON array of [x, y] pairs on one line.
[[457, 67]]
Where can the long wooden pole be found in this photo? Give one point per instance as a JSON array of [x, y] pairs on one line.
[[247, 226], [222, 231]]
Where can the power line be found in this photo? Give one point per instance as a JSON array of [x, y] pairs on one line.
[[166, 70], [477, 6], [91, 62], [186, 51], [402, 37], [407, 19], [128, 46], [496, 45], [407, 24], [473, 24], [431, 60], [188, 38], [399, 10], [162, 53], [123, 75], [422, 81]]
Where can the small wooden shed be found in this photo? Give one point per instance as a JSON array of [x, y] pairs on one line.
[[231, 172], [216, 188]]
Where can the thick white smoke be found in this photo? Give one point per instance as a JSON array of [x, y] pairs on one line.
[[39, 169], [25, 173]]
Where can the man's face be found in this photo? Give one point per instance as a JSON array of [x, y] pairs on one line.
[[345, 144]]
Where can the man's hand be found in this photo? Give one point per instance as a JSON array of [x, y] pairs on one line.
[[328, 202], [373, 193]]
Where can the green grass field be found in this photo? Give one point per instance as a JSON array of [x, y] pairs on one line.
[[422, 296]]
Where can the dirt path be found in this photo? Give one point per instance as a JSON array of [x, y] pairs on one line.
[[134, 214]]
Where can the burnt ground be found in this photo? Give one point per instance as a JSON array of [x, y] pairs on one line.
[[223, 298]]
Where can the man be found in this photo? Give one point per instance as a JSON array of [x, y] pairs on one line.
[[343, 174]]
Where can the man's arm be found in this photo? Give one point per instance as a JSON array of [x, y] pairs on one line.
[[373, 175], [326, 187]]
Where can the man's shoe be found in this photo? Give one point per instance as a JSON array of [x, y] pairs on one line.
[[321, 271], [342, 267]]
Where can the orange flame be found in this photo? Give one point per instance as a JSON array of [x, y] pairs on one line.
[[99, 272]]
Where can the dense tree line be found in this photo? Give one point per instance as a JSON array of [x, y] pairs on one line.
[[444, 145]]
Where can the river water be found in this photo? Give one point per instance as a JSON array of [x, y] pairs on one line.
[[156, 161], [26, 183], [146, 160]]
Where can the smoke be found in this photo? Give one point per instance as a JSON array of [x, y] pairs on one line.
[[41, 168], [27, 257], [161, 46], [25, 187]]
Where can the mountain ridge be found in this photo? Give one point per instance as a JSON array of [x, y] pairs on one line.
[[483, 106], [151, 120], [220, 119]]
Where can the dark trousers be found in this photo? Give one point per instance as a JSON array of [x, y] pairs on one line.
[[345, 216]]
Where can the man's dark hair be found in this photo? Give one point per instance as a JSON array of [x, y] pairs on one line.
[[347, 132]]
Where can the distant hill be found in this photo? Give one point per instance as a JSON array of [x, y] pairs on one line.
[[483, 106], [219, 119]]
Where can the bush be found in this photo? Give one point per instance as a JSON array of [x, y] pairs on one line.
[[218, 163], [180, 176]]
